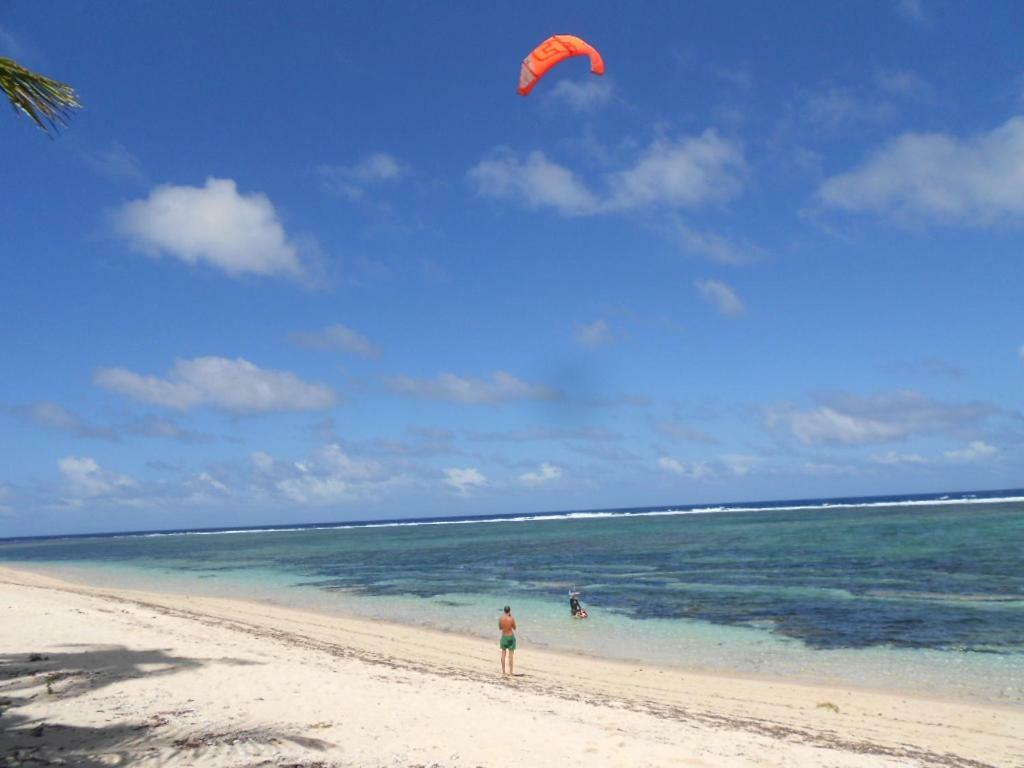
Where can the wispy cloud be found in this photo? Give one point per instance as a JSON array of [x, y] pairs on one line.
[[55, 416], [595, 334], [976, 450], [687, 172], [234, 385], [624, 399], [463, 481], [329, 476], [544, 474], [912, 10], [9, 45], [694, 470], [835, 107], [86, 479], [684, 173], [584, 96], [501, 387], [904, 83], [352, 181], [681, 431], [167, 429], [585, 434], [717, 247], [740, 463], [214, 225], [337, 337], [895, 458], [931, 366], [938, 178], [116, 163], [533, 182], [855, 420], [721, 296]]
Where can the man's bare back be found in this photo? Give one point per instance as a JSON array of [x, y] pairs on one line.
[[507, 625]]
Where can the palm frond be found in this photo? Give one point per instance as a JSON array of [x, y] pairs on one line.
[[48, 102]]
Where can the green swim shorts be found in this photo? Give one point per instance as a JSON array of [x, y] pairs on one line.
[[508, 642]]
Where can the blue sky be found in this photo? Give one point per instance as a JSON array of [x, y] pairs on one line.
[[324, 263]]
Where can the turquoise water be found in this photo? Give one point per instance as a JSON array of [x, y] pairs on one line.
[[913, 596]]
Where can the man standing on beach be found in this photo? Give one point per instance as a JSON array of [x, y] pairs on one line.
[[507, 625]]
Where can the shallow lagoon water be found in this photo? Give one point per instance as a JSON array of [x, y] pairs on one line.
[[922, 597]]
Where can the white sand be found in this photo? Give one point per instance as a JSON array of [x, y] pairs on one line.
[[146, 679]]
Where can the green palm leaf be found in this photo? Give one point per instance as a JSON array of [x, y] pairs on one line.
[[48, 102]]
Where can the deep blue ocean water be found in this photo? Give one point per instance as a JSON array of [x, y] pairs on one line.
[[939, 573]]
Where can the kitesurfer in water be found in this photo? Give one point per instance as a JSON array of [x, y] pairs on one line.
[[574, 604], [577, 610]]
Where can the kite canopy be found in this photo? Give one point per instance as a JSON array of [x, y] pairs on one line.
[[555, 49]]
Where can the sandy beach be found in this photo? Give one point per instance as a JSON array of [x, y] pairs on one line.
[[97, 677]]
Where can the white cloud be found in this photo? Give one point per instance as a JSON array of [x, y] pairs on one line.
[[593, 334], [1020, 352], [546, 473], [86, 479], [974, 181], [685, 173], [212, 482], [328, 476], [976, 450], [534, 182], [694, 470], [502, 387], [721, 296], [583, 96], [215, 224], [338, 337], [351, 181], [464, 480], [234, 385], [854, 420], [826, 424]]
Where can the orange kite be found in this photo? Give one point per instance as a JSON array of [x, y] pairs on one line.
[[552, 51]]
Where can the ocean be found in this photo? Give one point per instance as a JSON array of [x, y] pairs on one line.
[[921, 593]]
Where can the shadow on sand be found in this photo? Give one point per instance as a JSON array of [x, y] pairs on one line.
[[77, 671]]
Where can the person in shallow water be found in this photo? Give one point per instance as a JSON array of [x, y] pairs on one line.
[[577, 610], [507, 625], [574, 604]]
